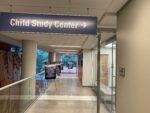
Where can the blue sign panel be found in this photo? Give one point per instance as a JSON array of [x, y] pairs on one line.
[[21, 22]]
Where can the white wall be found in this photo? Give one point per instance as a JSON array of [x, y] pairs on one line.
[[87, 78], [94, 67], [133, 53]]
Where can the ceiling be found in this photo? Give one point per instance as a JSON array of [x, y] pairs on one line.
[[105, 10]]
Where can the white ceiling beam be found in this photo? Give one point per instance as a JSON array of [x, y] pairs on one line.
[[9, 40], [105, 14]]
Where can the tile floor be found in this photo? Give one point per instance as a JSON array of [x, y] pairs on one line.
[[66, 95]]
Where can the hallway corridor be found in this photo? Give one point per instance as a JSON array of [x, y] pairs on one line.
[[66, 95]]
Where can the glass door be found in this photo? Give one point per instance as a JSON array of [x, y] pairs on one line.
[[108, 76]]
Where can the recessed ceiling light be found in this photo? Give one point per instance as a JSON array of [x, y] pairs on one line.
[[67, 46]]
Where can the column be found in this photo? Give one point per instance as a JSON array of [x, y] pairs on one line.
[[54, 57], [87, 76], [29, 58], [28, 87]]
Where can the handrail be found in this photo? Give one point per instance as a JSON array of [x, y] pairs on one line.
[[40, 73], [15, 83]]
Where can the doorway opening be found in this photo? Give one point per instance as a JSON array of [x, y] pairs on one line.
[[70, 63]]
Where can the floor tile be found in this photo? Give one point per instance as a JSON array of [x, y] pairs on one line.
[[66, 95]]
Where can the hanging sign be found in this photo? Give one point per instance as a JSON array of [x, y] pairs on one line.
[[22, 22]]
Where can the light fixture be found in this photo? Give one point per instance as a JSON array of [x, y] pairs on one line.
[[67, 46], [66, 50], [110, 45]]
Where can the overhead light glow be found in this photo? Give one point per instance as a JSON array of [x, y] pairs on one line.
[[69, 46], [66, 50], [110, 45]]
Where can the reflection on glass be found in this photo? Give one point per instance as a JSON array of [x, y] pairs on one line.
[[108, 76], [42, 59], [18, 98]]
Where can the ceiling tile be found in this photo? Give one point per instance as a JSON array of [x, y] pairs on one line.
[[106, 36], [90, 43], [100, 4], [29, 9], [109, 20], [40, 2], [116, 5], [75, 7], [95, 12], [4, 8]]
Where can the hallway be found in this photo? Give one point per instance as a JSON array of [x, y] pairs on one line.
[[66, 95]]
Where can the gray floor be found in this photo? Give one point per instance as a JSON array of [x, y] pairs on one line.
[[66, 95]]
